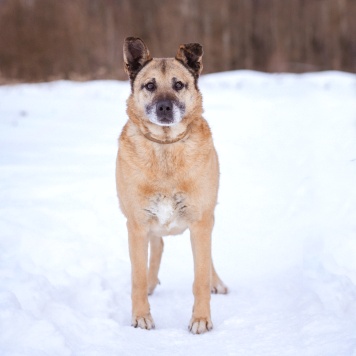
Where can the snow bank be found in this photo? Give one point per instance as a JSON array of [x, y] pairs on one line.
[[284, 240]]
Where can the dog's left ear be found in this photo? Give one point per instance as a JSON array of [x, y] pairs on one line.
[[136, 55], [190, 55]]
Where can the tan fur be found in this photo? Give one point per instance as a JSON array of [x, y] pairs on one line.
[[165, 188]]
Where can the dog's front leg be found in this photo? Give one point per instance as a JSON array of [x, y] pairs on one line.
[[138, 245], [200, 235]]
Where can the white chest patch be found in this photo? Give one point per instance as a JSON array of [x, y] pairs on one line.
[[164, 211], [167, 211]]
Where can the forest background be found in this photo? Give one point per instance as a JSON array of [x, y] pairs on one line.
[[43, 40]]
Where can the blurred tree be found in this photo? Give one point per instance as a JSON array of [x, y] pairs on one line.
[[82, 39]]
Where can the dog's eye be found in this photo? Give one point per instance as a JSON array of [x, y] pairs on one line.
[[178, 86], [150, 86]]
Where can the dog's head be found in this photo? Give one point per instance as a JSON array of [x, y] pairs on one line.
[[164, 91]]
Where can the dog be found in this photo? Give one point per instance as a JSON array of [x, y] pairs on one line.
[[167, 174]]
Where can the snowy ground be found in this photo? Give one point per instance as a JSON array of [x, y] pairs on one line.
[[284, 239]]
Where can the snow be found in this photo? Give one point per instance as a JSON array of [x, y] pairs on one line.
[[284, 240]]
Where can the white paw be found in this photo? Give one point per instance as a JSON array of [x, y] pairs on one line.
[[219, 288], [200, 325], [152, 286], [143, 322]]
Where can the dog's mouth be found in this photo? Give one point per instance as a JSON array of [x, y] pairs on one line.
[[166, 121], [165, 112]]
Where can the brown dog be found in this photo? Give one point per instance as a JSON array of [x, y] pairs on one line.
[[167, 174]]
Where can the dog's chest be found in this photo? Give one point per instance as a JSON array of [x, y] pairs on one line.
[[167, 214]]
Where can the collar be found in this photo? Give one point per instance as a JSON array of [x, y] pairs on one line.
[[165, 142]]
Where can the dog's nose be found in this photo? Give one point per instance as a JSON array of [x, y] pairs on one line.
[[164, 110]]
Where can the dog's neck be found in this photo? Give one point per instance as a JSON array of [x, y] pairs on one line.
[[149, 136]]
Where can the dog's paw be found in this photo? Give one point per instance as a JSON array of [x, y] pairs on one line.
[[200, 325], [143, 322], [219, 288], [152, 284]]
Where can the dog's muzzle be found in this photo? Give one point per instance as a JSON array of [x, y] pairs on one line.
[[164, 112]]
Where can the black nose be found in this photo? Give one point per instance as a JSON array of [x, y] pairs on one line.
[[164, 110]]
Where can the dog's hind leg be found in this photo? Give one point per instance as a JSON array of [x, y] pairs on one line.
[[156, 250], [217, 285]]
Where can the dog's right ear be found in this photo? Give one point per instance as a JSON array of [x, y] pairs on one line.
[[190, 54], [136, 55]]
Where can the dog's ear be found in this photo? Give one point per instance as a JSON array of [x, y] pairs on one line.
[[136, 55], [190, 55]]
